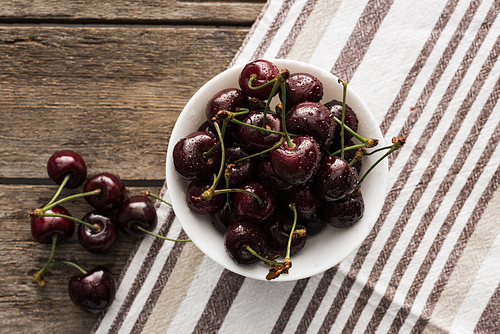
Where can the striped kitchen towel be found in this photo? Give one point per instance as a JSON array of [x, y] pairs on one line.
[[429, 71]]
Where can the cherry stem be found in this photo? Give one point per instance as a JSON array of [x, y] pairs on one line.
[[289, 246], [233, 190], [344, 94], [278, 144], [140, 228], [39, 214], [252, 79], [263, 128], [38, 277], [254, 253], [209, 152], [147, 193], [61, 186], [223, 153], [83, 271], [397, 144], [349, 148], [89, 193]]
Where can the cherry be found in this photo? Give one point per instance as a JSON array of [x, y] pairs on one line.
[[67, 163], [313, 119], [344, 213], [350, 119], [112, 191], [267, 176], [224, 217], [136, 212], [335, 179], [199, 205], [230, 99], [277, 230], [348, 154], [305, 199], [314, 224], [299, 163], [255, 140], [190, 156], [93, 291], [249, 208], [43, 228], [97, 241], [241, 234], [243, 171], [258, 73], [302, 87]]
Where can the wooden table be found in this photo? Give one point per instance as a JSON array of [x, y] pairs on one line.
[[108, 80]]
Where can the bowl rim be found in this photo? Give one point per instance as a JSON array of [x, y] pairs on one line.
[[199, 228]]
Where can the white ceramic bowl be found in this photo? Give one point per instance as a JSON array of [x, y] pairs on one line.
[[322, 251]]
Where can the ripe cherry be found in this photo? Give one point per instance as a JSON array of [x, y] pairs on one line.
[[93, 291], [299, 163], [224, 217], [344, 213], [67, 163], [97, 241], [137, 211], [254, 208], [350, 119], [254, 140], [243, 171], [43, 228], [267, 176], [192, 159], [258, 73], [112, 191], [241, 234], [199, 205], [277, 230], [335, 179], [301, 87]]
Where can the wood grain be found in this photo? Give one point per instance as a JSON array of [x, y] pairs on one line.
[[129, 11], [111, 94]]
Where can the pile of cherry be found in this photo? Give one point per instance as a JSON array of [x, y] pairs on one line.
[[92, 291], [271, 178]]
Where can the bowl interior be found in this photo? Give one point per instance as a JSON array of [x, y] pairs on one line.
[[322, 251]]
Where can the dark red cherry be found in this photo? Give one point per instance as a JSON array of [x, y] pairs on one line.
[[137, 211], [301, 87], [350, 119], [267, 176], [264, 72], [305, 199], [242, 234], [254, 140], [97, 241], [348, 155], [314, 224], [43, 228], [335, 179], [190, 159], [199, 205], [112, 191], [298, 164], [243, 171], [224, 217], [277, 230], [248, 207], [230, 99], [344, 213], [313, 119], [67, 162], [93, 292]]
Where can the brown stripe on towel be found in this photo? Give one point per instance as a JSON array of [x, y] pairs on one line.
[[297, 27], [418, 192], [354, 50], [289, 306], [273, 29], [489, 322], [142, 274], [159, 284], [220, 302], [418, 66], [436, 74]]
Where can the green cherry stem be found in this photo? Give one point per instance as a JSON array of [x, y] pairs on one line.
[[140, 228], [210, 193], [38, 276], [349, 148], [282, 76], [39, 213], [370, 142], [89, 193], [147, 193], [61, 186], [278, 144], [289, 143], [252, 79], [83, 271], [263, 128], [254, 253], [289, 246], [344, 94]]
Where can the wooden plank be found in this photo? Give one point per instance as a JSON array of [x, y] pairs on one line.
[[122, 11], [25, 307], [112, 94]]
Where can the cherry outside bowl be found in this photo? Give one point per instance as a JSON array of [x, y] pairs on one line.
[[322, 251]]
